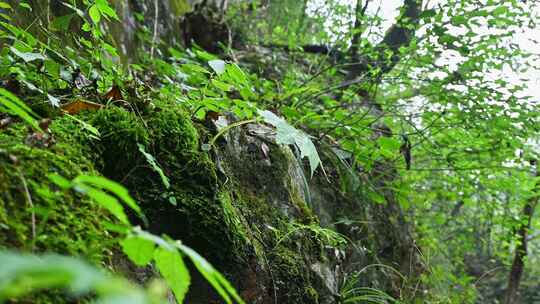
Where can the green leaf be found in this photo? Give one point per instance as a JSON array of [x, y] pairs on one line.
[[236, 74], [94, 13], [60, 181], [61, 23], [153, 163], [288, 135], [388, 145], [27, 56], [139, 250], [174, 271], [106, 9], [216, 279], [501, 10], [106, 200], [22, 274], [25, 5], [222, 85], [11, 104], [217, 65], [109, 185], [5, 5], [194, 69]]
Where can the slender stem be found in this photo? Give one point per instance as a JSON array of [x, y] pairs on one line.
[[227, 128], [31, 204], [154, 37]]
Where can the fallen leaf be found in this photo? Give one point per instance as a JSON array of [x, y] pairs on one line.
[[114, 94], [212, 115], [79, 105]]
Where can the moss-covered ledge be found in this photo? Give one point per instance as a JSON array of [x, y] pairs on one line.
[[240, 209], [32, 209]]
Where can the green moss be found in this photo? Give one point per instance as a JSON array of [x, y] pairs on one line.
[[230, 223], [64, 222], [177, 148], [121, 131], [203, 215]]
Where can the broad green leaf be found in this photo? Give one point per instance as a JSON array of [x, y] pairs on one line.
[[288, 135], [222, 85], [193, 68], [22, 274], [174, 271], [60, 181], [27, 56], [216, 279], [106, 9], [61, 23], [106, 200], [109, 185], [25, 5], [389, 144], [236, 74], [5, 5], [94, 13], [139, 250], [11, 104]]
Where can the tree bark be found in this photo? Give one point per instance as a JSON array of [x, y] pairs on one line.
[[516, 272]]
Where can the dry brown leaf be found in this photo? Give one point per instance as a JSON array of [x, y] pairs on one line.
[[79, 105], [114, 94], [212, 115]]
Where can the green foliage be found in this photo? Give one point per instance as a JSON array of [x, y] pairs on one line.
[[23, 274], [98, 188], [466, 122], [11, 104], [288, 135], [152, 161], [327, 237], [140, 248]]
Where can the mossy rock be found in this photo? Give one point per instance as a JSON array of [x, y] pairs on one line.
[[193, 208], [59, 221]]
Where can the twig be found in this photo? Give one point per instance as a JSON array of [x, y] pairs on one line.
[[31, 204], [154, 37]]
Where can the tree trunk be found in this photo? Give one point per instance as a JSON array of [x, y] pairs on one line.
[[514, 278]]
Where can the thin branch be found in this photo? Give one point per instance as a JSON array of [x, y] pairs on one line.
[[31, 204], [154, 36]]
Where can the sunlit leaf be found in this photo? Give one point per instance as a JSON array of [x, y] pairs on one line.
[[172, 268], [94, 13], [139, 250]]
